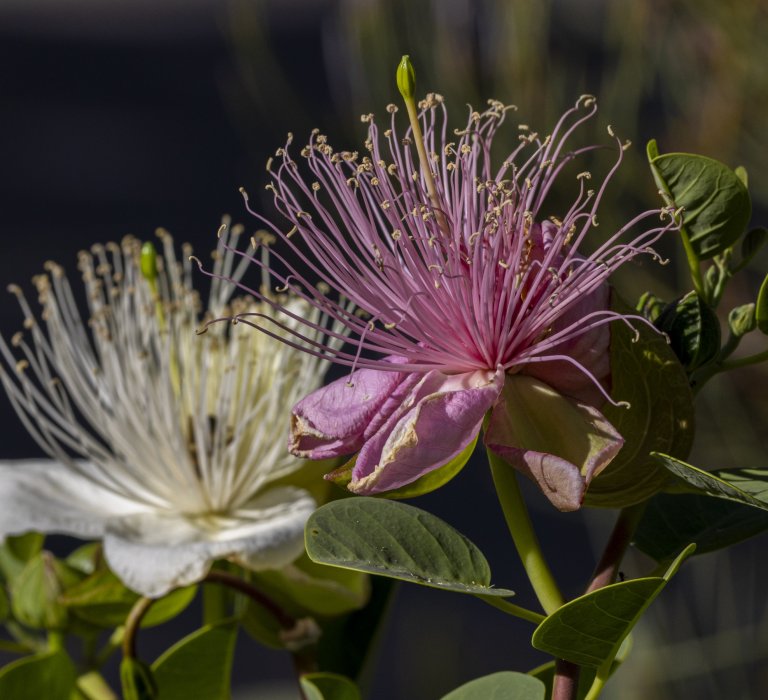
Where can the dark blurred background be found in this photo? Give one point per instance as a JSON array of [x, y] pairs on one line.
[[118, 117]]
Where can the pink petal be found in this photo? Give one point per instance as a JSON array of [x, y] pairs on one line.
[[336, 419], [439, 418], [559, 443], [590, 349]]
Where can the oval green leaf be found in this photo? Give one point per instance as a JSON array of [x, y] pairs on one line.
[[50, 676], [672, 521], [504, 685], [761, 307], [103, 600], [590, 630], [716, 203], [650, 378], [198, 666], [328, 686], [747, 486], [397, 540]]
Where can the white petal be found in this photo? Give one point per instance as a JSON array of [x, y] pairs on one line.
[[48, 496], [155, 552]]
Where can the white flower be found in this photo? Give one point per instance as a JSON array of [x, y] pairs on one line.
[[165, 443]]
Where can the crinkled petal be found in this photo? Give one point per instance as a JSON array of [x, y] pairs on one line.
[[48, 496], [589, 349], [559, 443], [155, 552], [439, 418], [336, 419]]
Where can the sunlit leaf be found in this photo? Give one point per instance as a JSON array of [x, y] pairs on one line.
[[589, 631], [716, 203], [748, 486], [394, 539], [673, 521], [504, 685]]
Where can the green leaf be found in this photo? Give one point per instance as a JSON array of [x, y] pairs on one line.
[[306, 588], [137, 680], [35, 592], [747, 486], [16, 551], [397, 540], [505, 685], [693, 330], [647, 375], [761, 308], [87, 558], [672, 521], [198, 666], [589, 631], [741, 320], [49, 676], [328, 686], [103, 600], [716, 203]]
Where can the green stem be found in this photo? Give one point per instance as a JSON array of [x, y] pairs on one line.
[[695, 267], [132, 623], [607, 568], [9, 647], [93, 686], [744, 361], [521, 529], [512, 609], [599, 683], [55, 641]]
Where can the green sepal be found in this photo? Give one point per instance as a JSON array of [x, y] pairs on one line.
[[716, 203], [646, 374], [504, 685], [49, 676], [590, 630], [693, 330], [137, 680], [328, 686], [397, 540]]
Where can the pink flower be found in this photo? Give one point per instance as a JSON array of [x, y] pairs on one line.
[[459, 307]]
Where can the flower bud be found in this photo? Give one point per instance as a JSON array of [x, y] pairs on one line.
[[406, 78]]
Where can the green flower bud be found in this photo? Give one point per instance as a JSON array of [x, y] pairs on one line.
[[149, 261], [406, 78], [741, 320]]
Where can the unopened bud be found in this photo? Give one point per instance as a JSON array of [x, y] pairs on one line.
[[149, 261], [406, 78]]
